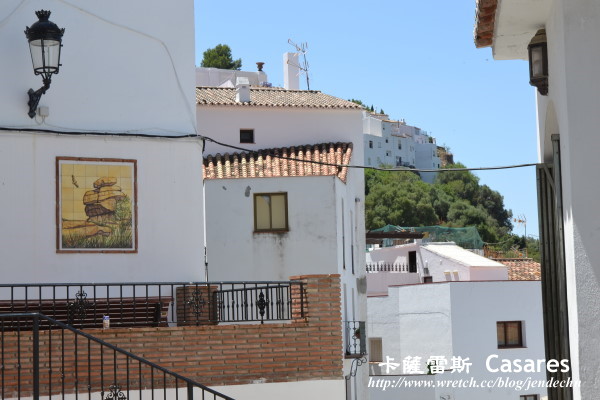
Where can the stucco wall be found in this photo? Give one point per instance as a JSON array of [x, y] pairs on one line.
[[279, 127], [459, 319], [235, 252], [124, 67], [569, 110], [170, 233]]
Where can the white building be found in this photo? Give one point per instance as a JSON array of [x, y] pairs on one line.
[[285, 216], [438, 299], [567, 146], [107, 86], [397, 144], [457, 319], [428, 262], [105, 185]]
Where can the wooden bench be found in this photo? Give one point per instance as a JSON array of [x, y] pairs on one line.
[[123, 312]]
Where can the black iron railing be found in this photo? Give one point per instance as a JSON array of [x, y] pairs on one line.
[[387, 267], [55, 359], [93, 305], [355, 338]]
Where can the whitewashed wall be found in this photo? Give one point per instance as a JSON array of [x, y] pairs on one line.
[[124, 69], [570, 110], [235, 252], [438, 265], [279, 127], [169, 222], [459, 319], [124, 66], [476, 307]]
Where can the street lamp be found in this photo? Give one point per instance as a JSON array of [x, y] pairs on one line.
[[45, 42], [538, 62]]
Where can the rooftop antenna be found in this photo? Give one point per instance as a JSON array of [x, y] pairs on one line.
[[301, 49]]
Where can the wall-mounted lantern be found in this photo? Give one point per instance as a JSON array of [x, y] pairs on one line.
[[538, 62], [45, 42]]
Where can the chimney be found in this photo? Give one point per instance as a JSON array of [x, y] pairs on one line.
[[291, 71], [242, 90]]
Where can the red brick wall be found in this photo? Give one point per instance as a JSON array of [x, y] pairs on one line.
[[306, 348]]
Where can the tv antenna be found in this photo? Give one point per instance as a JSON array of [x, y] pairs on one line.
[[302, 48], [521, 220]]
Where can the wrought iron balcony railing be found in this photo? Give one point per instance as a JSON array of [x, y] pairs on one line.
[[355, 338], [56, 359], [94, 305]]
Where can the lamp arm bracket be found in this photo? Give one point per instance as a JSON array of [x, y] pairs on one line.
[[35, 96]]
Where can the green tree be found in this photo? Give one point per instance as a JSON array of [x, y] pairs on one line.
[[360, 103], [456, 199], [220, 57]]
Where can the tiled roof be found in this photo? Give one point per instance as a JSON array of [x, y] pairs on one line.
[[263, 164], [272, 97], [522, 269], [485, 19]]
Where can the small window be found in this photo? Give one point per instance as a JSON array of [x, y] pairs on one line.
[[386, 141], [428, 279], [369, 161], [370, 144], [529, 397], [510, 334], [270, 212], [375, 350], [399, 145], [388, 153], [379, 144], [246, 135]]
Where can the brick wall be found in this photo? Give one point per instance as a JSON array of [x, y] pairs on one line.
[[308, 347]]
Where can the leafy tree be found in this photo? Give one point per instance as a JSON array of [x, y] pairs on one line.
[[360, 103], [456, 199], [220, 57]]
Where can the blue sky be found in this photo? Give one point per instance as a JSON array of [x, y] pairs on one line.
[[414, 59]]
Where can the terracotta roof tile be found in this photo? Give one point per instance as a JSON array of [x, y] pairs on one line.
[[266, 163], [272, 97], [485, 19], [522, 269]]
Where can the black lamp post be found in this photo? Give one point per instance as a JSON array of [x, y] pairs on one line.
[[45, 42], [538, 62]]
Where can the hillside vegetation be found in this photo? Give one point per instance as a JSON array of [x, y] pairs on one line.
[[456, 199]]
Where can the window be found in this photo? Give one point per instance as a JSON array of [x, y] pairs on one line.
[[379, 144], [510, 334], [370, 144], [398, 161], [246, 135], [270, 212], [375, 350], [399, 145], [529, 397], [386, 141], [369, 161], [388, 153], [428, 279]]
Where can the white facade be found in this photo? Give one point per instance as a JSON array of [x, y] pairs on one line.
[[457, 319], [440, 261], [112, 56], [279, 127], [569, 110], [399, 145], [326, 216]]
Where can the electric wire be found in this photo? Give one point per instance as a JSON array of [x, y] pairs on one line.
[[263, 152]]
